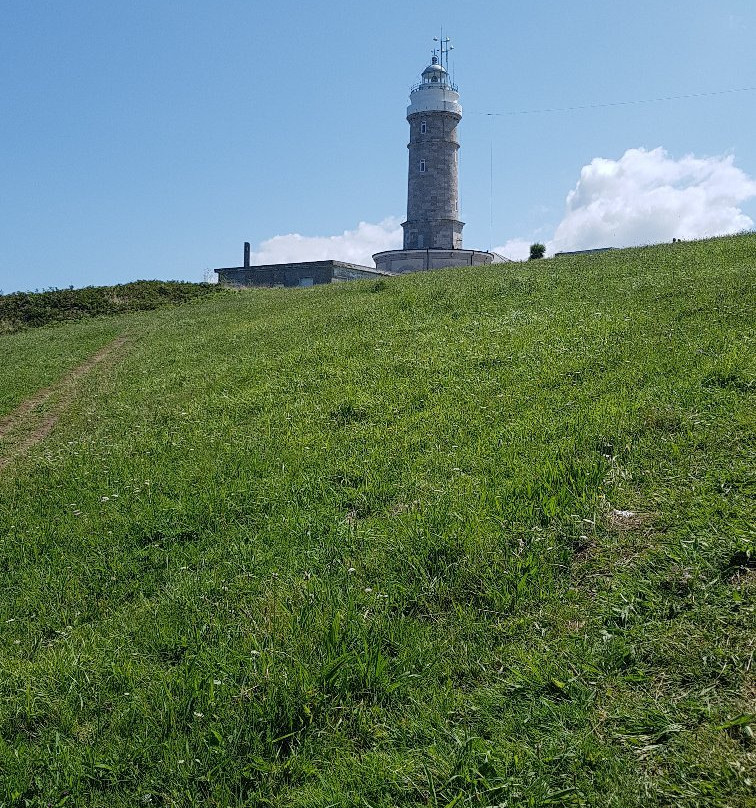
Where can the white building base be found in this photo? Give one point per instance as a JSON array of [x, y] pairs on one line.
[[397, 262]]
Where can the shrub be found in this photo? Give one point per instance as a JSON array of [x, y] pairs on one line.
[[32, 309], [537, 250]]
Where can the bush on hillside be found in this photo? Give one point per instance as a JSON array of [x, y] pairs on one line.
[[537, 250], [33, 309]]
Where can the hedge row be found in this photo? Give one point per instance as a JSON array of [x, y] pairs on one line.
[[32, 309]]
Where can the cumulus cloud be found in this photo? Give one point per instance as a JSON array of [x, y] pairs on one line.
[[354, 246], [647, 197], [516, 249]]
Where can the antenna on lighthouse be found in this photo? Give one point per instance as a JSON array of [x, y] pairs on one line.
[[445, 47]]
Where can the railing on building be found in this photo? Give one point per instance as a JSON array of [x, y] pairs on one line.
[[434, 85]]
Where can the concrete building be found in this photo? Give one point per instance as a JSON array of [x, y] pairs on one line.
[[433, 230], [299, 273]]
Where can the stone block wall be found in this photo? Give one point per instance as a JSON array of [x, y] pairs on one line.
[[302, 273], [398, 262], [294, 274], [433, 193]]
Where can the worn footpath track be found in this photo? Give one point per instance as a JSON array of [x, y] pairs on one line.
[[32, 421]]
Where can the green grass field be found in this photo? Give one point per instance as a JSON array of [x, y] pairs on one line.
[[475, 537]]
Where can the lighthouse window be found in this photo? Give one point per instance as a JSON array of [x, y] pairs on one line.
[[422, 166], [423, 128]]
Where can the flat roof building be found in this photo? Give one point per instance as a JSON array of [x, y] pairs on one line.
[[295, 273]]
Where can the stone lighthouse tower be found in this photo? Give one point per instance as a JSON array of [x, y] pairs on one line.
[[433, 185], [433, 230]]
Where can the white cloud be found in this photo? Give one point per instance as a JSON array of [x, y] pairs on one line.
[[516, 249], [355, 246], [647, 197]]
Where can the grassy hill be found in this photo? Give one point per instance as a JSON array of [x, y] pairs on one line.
[[472, 537]]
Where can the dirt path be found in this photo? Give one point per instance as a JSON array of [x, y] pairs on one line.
[[29, 424]]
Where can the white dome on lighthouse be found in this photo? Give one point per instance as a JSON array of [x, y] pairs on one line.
[[435, 73], [435, 92]]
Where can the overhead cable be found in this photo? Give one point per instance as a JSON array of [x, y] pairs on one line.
[[616, 103]]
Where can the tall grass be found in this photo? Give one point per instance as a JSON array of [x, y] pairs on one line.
[[470, 537]]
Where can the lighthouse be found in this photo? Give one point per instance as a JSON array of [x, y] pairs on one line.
[[433, 229]]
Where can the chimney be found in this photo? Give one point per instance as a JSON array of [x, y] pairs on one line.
[[246, 254]]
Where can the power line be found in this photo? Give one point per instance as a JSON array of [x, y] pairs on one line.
[[616, 103], [491, 187]]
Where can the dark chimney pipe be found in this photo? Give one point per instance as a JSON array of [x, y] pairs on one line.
[[246, 254]]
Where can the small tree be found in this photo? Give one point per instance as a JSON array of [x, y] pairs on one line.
[[537, 251]]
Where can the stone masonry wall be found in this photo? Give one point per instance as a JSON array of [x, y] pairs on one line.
[[294, 274], [397, 262], [302, 273], [433, 194]]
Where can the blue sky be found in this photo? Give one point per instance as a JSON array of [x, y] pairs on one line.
[[150, 140]]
